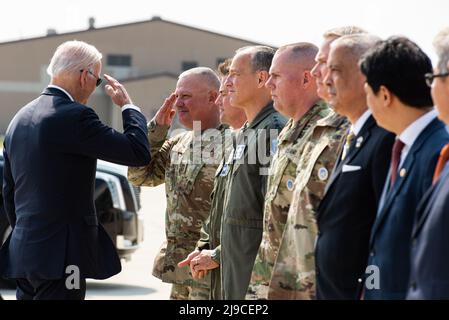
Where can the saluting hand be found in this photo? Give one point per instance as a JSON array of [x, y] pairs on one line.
[[117, 92], [166, 113]]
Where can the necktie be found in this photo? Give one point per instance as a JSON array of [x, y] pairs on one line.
[[444, 157], [348, 142], [395, 159]]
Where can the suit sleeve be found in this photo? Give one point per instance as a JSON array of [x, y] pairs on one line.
[[8, 191], [130, 148], [153, 174]]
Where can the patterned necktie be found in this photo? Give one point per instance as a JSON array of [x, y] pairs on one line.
[[348, 142], [395, 159], [444, 157]]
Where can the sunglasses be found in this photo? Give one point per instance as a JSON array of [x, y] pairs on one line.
[[430, 76], [99, 80]]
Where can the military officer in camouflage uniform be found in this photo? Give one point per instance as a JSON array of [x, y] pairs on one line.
[[207, 255], [241, 228], [188, 170], [294, 94], [293, 275]]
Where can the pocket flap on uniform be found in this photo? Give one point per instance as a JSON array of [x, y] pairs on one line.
[[91, 220]]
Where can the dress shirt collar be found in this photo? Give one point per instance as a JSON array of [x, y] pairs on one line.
[[63, 90], [358, 125], [409, 135]]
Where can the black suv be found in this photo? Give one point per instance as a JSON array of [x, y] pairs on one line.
[[117, 203]]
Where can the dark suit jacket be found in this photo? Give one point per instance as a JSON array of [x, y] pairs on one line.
[[429, 276], [390, 237], [51, 149], [347, 212]]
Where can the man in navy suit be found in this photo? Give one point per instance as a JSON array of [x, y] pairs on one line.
[[401, 103], [429, 276], [348, 209], [50, 151]]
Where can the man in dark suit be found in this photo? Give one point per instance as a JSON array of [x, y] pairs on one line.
[[401, 103], [51, 149], [348, 209], [429, 276]]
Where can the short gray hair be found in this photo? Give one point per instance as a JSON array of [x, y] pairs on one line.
[[261, 56], [304, 51], [72, 56], [209, 75], [441, 45], [343, 31], [357, 44]]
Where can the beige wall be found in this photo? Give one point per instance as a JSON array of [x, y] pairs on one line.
[[149, 94], [13, 102], [155, 47], [10, 104], [102, 105]]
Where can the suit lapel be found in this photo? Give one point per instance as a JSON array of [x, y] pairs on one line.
[[393, 191], [356, 146], [408, 165]]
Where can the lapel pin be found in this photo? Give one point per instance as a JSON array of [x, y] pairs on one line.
[[402, 173], [359, 142]]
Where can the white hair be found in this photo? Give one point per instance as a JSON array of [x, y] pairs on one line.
[[72, 56], [357, 44], [209, 75], [441, 45]]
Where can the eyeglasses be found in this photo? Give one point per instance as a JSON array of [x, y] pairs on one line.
[[430, 76], [99, 80]]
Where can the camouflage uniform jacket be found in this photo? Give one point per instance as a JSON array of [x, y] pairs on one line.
[[188, 181], [210, 233], [279, 195], [293, 275], [241, 228]]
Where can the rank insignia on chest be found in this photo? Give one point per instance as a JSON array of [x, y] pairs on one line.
[[238, 154]]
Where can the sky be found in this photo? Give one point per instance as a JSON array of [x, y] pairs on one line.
[[274, 22]]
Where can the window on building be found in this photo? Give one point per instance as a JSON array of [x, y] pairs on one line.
[[119, 60], [186, 65]]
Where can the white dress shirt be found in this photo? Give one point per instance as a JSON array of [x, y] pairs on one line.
[[63, 90], [408, 136], [126, 106], [358, 125], [411, 133]]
